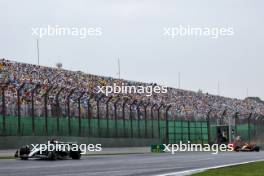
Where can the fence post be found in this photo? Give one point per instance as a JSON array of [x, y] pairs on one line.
[[152, 119], [208, 126], [89, 112], [222, 116], [69, 110], [201, 131], [19, 109], [167, 124], [174, 131], [189, 131], [249, 128], [255, 124], [236, 116], [138, 118], [181, 129], [107, 116], [195, 129], [145, 115], [58, 110], [33, 108], [98, 99], [123, 111], [130, 116], [4, 108], [159, 119], [115, 107], [262, 121], [79, 113], [46, 109], [256, 121]]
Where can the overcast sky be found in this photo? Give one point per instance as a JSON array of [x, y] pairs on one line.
[[132, 30]]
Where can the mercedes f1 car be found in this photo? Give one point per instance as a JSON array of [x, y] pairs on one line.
[[60, 150]]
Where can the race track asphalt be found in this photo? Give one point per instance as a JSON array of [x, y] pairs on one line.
[[132, 164]]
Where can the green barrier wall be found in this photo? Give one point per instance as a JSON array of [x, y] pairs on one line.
[[193, 131], [179, 130], [91, 127]]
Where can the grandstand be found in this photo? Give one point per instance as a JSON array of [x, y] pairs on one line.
[[32, 92]]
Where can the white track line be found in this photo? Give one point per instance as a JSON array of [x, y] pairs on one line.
[[206, 168]]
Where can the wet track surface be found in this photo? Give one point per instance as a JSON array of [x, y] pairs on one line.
[[133, 164]]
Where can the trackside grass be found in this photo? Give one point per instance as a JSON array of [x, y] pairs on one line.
[[251, 169]]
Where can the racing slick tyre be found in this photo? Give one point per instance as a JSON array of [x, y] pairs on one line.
[[23, 152], [237, 148], [256, 148], [76, 155], [24, 158], [52, 155]]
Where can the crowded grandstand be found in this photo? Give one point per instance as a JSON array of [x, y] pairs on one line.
[[64, 85]]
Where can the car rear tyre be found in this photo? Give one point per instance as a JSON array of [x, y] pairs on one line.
[[23, 152], [24, 158], [52, 156], [75, 155], [256, 148]]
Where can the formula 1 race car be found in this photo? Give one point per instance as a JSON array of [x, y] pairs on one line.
[[51, 151], [246, 148]]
